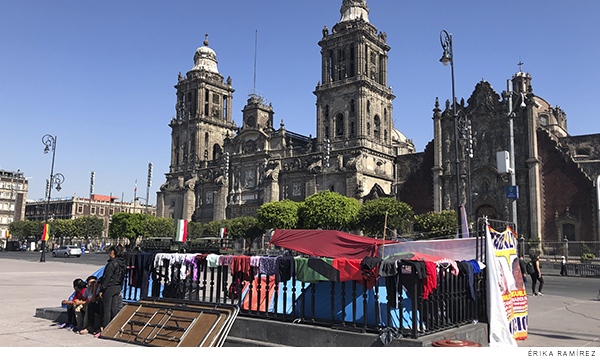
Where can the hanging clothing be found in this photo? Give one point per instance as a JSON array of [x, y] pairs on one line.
[[212, 260], [466, 269], [267, 265], [431, 280], [285, 268], [225, 260], [388, 267], [254, 261], [350, 269], [315, 270], [240, 267], [476, 267]]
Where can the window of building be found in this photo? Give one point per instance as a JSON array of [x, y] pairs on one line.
[[206, 99], [206, 139], [326, 113], [339, 125], [80, 209], [368, 129], [93, 210], [385, 136], [352, 61], [376, 128], [110, 211], [326, 132], [583, 152], [101, 211], [368, 107], [352, 108], [224, 107], [352, 131]]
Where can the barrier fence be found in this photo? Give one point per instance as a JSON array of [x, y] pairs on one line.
[[350, 305]]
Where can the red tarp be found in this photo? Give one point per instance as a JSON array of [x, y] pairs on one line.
[[327, 243]]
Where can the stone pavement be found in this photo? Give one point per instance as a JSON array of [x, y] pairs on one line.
[[555, 321], [26, 286]]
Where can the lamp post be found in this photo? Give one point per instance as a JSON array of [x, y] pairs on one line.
[[448, 58], [87, 232], [54, 181], [508, 94]]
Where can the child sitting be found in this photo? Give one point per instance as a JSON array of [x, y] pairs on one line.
[[74, 306]]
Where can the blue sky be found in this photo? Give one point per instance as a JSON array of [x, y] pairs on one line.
[[99, 75]]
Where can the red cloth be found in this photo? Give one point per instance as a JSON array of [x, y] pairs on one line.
[[431, 280], [79, 295], [241, 265], [327, 243], [350, 270], [266, 294]]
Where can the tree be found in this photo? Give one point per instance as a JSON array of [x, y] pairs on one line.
[[19, 229], [436, 224], [96, 226], [194, 230], [278, 215], [329, 210], [245, 227], [371, 216], [213, 228], [157, 226], [125, 225]]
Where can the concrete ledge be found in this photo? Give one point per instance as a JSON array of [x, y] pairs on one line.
[[57, 314], [253, 332]]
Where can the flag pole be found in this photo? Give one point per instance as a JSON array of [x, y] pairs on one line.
[[384, 227]]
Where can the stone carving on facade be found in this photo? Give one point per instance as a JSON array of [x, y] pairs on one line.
[[484, 100], [325, 31], [249, 147]]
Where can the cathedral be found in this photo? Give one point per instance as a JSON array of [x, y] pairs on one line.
[[221, 171]]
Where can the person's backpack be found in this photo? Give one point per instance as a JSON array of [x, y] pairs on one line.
[[530, 269]]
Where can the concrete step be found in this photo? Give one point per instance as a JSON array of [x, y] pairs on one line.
[[233, 341]]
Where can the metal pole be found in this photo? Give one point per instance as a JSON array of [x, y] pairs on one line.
[[53, 142], [87, 232], [513, 175]]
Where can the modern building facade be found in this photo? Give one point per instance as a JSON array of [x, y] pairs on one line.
[[13, 195], [219, 170], [101, 206]]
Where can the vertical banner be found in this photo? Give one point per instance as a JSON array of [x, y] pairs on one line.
[[46, 234], [181, 230], [510, 281], [222, 233]]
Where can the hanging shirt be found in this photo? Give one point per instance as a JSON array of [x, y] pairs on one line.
[[350, 269], [314, 270], [240, 266], [212, 260], [267, 265], [285, 268], [225, 260]]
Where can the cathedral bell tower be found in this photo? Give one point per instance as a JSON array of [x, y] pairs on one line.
[[354, 103], [198, 131]]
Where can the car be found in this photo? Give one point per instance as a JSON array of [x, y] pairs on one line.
[[67, 251]]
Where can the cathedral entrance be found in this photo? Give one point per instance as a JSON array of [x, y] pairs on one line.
[[487, 210]]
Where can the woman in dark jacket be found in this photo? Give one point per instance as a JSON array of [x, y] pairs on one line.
[[111, 284]]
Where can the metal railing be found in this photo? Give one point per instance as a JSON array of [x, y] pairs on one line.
[[349, 305]]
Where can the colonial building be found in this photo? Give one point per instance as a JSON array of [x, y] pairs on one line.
[[13, 195], [557, 174], [101, 206], [219, 170]]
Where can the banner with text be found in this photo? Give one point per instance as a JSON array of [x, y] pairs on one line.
[[510, 281]]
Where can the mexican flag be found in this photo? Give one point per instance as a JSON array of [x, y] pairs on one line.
[[181, 230], [46, 234]]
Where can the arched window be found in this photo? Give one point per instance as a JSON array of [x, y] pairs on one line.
[[385, 136], [217, 152], [206, 139], [352, 107], [368, 106], [376, 128], [352, 131], [385, 117], [339, 125]]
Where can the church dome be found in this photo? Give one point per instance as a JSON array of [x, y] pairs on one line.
[[397, 136], [205, 58], [354, 9]]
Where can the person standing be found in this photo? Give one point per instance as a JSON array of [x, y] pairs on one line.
[[563, 267], [523, 267], [111, 284], [536, 276]]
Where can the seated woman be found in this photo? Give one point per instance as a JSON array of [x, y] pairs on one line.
[[92, 306], [75, 306]]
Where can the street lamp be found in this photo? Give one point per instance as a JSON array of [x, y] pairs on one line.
[[54, 181], [508, 94], [448, 58], [87, 232]]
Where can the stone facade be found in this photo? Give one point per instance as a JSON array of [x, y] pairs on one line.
[[13, 195], [245, 167], [557, 174]]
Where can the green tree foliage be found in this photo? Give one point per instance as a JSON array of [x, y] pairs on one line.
[[371, 216], [26, 229], [329, 211], [436, 224], [125, 225], [245, 227], [194, 230], [96, 225], [158, 226], [213, 228], [278, 215]]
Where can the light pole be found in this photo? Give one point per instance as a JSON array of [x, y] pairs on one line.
[[513, 176], [448, 58], [87, 232], [54, 181]]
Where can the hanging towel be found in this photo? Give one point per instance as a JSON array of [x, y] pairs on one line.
[[267, 265]]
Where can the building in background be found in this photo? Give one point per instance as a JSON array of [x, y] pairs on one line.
[[219, 170], [13, 195], [74, 207]]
